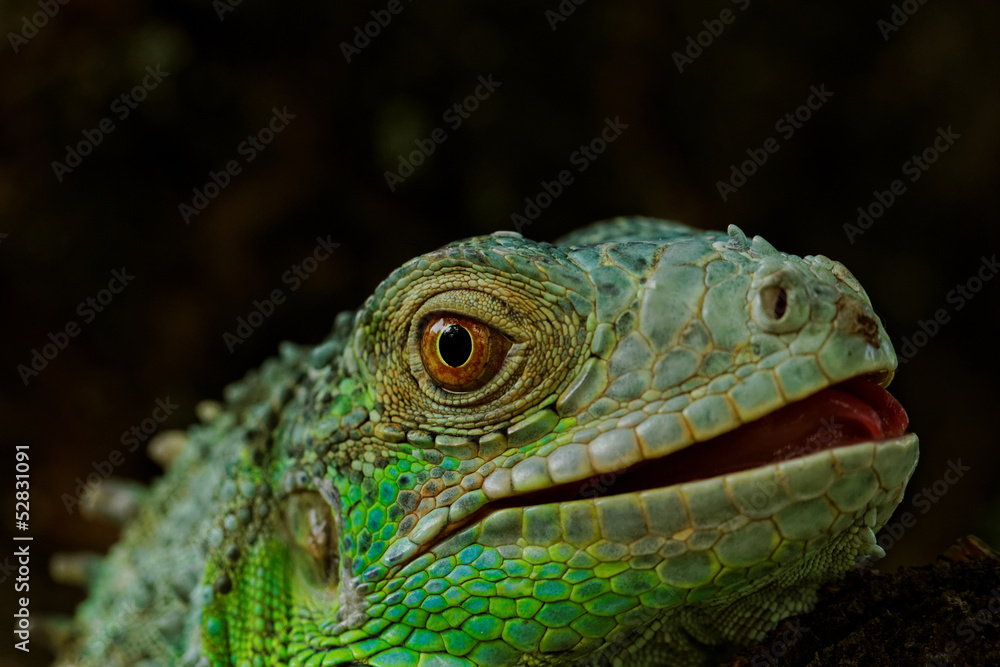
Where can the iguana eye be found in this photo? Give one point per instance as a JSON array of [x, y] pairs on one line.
[[461, 354]]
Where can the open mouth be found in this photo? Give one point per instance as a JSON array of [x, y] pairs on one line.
[[848, 413], [851, 412]]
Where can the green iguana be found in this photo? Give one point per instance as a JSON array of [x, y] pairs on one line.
[[633, 446]]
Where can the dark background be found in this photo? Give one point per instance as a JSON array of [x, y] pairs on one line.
[[324, 176]]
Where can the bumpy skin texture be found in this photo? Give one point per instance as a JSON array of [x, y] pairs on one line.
[[344, 509]]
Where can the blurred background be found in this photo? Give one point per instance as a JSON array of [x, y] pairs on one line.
[[114, 117]]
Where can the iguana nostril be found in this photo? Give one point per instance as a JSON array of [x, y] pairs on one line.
[[780, 304]]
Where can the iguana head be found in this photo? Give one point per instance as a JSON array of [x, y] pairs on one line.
[[640, 439]]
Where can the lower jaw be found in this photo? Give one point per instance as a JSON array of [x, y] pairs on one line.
[[745, 519]]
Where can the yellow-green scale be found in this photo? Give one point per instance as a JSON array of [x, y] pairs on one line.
[[249, 625]]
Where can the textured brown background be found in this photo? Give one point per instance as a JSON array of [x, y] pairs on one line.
[[323, 176]]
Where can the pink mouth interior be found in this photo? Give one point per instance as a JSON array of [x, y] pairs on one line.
[[854, 411]]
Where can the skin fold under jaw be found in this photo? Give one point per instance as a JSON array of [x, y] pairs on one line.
[[644, 444]]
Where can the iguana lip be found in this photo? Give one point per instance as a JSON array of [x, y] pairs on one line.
[[851, 412], [847, 417], [857, 410]]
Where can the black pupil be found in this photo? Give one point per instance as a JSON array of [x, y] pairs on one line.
[[780, 304], [455, 345]]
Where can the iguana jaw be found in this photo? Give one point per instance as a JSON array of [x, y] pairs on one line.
[[849, 413], [696, 519], [852, 412]]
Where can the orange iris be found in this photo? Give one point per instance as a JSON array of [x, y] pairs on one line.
[[461, 354]]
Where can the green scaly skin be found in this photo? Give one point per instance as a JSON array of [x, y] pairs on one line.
[[343, 509]]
